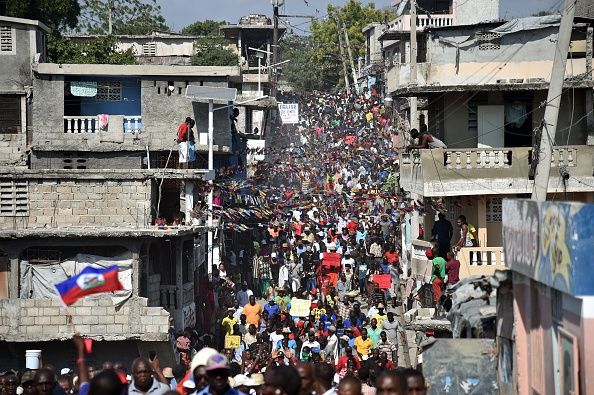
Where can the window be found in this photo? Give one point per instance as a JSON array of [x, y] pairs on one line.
[[493, 209], [109, 91], [14, 198], [149, 49], [10, 114], [488, 41], [7, 40]]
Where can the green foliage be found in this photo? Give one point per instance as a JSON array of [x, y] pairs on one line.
[[101, 50], [299, 73], [56, 14], [355, 17], [128, 17], [203, 28], [213, 51]]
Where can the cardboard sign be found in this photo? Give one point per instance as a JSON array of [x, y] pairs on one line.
[[300, 307], [331, 259], [232, 342], [350, 140], [289, 113], [383, 280]]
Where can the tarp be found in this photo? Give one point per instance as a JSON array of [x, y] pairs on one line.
[[37, 280], [530, 23], [83, 88]]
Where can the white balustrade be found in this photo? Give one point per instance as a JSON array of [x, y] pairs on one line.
[[564, 156], [90, 124]]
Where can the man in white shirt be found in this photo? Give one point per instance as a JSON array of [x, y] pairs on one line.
[[244, 294]]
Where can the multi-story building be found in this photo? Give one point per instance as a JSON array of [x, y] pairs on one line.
[[89, 175], [485, 86], [394, 48]]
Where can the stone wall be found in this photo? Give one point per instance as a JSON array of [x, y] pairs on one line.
[[86, 160], [15, 72], [71, 203], [27, 320]]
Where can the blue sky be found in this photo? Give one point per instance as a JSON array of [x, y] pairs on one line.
[[180, 13]]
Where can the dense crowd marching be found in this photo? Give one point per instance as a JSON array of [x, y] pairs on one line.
[[333, 233]]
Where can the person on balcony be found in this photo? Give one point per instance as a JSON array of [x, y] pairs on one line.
[[442, 232], [426, 139], [183, 136]]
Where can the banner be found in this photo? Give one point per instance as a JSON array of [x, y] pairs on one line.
[[300, 307], [383, 280], [232, 341], [331, 259], [289, 113]]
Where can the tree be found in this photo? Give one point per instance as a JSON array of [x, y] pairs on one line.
[[355, 17], [204, 28], [128, 17], [300, 73], [101, 50], [213, 51], [56, 14]]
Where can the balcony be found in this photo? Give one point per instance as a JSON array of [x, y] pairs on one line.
[[474, 261], [90, 123], [402, 23], [489, 171]]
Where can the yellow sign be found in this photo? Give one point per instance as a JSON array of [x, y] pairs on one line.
[[232, 341], [300, 307]]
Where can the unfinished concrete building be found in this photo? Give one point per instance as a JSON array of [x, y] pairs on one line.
[[89, 176]]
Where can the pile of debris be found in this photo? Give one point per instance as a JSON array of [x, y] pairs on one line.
[[471, 306]]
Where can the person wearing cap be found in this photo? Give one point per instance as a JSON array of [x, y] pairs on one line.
[[331, 349], [10, 383], [28, 383], [217, 373], [380, 316]]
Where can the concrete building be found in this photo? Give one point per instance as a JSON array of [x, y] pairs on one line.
[[546, 316], [157, 48], [484, 86], [88, 175]]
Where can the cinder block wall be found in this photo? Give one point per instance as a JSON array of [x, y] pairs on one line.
[[25, 320], [72, 203]]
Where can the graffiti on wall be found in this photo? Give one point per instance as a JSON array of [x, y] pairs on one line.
[[550, 242]]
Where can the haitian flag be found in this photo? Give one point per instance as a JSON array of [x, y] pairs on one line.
[[89, 281]]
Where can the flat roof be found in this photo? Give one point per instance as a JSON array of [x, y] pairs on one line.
[[136, 70], [137, 36], [23, 21], [529, 86], [99, 231], [106, 174]]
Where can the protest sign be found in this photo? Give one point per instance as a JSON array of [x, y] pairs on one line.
[[300, 307], [232, 341], [383, 280], [289, 113]]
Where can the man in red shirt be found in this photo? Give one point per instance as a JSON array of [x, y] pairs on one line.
[[183, 135], [391, 255], [452, 268]]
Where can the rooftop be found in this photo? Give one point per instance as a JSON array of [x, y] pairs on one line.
[[23, 21], [100, 231], [136, 70], [107, 174]]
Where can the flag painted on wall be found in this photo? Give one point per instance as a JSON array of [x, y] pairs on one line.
[[88, 282]]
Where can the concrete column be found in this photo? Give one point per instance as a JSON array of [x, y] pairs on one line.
[[14, 276], [589, 115], [135, 271], [415, 219], [482, 220], [179, 282]]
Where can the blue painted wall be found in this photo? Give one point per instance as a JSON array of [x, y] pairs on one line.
[[129, 105]]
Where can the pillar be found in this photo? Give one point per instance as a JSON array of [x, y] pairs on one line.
[[179, 282], [14, 276], [482, 221]]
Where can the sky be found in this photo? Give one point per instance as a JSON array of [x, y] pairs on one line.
[[180, 13]]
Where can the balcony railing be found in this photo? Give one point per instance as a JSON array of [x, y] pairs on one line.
[[402, 23], [480, 260], [477, 171], [90, 124]]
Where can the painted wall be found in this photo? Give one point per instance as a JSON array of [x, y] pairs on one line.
[[129, 105], [469, 12], [455, 121], [15, 72]]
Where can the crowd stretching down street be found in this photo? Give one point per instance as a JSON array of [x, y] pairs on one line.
[[310, 307]]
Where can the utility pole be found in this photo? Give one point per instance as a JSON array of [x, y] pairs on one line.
[[344, 66], [275, 5], [414, 113], [549, 125], [348, 45], [109, 16]]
